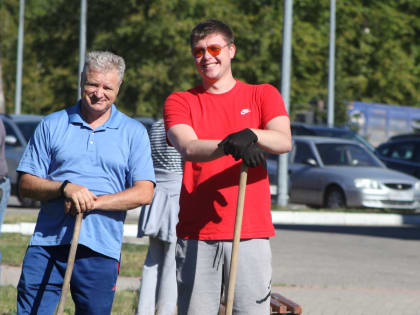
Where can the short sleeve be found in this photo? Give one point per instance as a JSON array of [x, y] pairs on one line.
[[272, 103], [36, 157], [140, 162], [176, 110]]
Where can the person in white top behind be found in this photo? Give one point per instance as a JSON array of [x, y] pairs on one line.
[[158, 290]]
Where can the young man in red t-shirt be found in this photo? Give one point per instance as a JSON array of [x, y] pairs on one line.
[[216, 126]]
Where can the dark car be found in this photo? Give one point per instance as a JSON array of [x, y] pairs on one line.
[[19, 129], [146, 121], [402, 154], [404, 136], [302, 129]]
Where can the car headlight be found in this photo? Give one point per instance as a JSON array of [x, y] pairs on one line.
[[417, 186], [366, 183]]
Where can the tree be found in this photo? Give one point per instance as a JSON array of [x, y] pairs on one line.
[[8, 33], [377, 51], [2, 99]]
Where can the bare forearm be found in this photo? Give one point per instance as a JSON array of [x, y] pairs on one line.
[[273, 141], [184, 139], [202, 150], [276, 137], [38, 188]]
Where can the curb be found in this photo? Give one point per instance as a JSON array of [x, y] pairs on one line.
[[351, 219], [282, 217]]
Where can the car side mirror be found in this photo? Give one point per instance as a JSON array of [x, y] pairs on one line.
[[10, 140], [311, 161]]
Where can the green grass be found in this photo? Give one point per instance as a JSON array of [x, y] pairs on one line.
[[132, 258], [7, 300], [125, 302], [13, 247]]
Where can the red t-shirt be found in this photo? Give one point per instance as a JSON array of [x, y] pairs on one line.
[[210, 189]]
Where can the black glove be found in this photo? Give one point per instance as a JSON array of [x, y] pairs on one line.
[[254, 156], [236, 143]]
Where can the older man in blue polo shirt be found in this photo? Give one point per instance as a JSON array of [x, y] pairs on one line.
[[88, 158]]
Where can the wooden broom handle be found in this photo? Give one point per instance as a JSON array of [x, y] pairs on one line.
[[70, 263], [236, 238]]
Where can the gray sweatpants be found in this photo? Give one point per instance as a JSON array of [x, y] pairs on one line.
[[200, 265], [158, 290]]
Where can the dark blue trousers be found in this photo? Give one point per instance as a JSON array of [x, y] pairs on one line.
[[92, 284]]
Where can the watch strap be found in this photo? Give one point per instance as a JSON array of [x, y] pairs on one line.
[[63, 185]]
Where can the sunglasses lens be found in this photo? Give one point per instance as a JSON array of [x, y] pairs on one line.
[[198, 52], [214, 50]]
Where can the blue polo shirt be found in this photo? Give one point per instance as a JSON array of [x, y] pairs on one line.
[[106, 160]]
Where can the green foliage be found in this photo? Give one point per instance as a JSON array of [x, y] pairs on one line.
[[377, 49]]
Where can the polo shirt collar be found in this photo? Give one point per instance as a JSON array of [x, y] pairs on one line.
[[113, 122]]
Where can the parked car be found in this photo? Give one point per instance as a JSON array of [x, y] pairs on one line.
[[402, 154], [337, 173], [402, 136], [303, 129], [146, 121], [19, 129]]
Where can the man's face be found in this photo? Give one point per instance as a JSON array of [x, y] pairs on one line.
[[99, 90], [212, 68]]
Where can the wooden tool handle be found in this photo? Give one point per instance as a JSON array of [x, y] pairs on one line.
[[236, 238], [70, 263]]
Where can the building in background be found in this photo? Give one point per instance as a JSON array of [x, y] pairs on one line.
[[378, 122]]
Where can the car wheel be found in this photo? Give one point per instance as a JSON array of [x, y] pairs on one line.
[[335, 198], [28, 202]]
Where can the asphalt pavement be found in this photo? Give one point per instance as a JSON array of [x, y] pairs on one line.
[[344, 266], [348, 269]]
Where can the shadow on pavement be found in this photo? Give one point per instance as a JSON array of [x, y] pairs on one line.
[[409, 232]]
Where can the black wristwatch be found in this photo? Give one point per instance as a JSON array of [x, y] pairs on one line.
[[63, 185]]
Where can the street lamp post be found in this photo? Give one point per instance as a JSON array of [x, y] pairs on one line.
[[282, 185], [82, 42], [331, 70], [18, 90]]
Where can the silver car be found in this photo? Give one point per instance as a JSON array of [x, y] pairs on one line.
[[19, 129], [338, 173]]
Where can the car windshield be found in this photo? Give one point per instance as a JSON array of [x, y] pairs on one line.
[[345, 154], [27, 128]]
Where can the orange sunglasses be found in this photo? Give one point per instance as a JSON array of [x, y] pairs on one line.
[[213, 50]]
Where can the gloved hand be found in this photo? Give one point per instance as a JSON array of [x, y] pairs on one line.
[[236, 143], [254, 156]]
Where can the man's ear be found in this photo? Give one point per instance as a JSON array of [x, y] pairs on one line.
[[232, 50]]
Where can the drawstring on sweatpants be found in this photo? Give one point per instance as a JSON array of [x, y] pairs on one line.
[[219, 255]]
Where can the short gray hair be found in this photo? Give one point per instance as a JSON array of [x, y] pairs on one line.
[[104, 61]]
